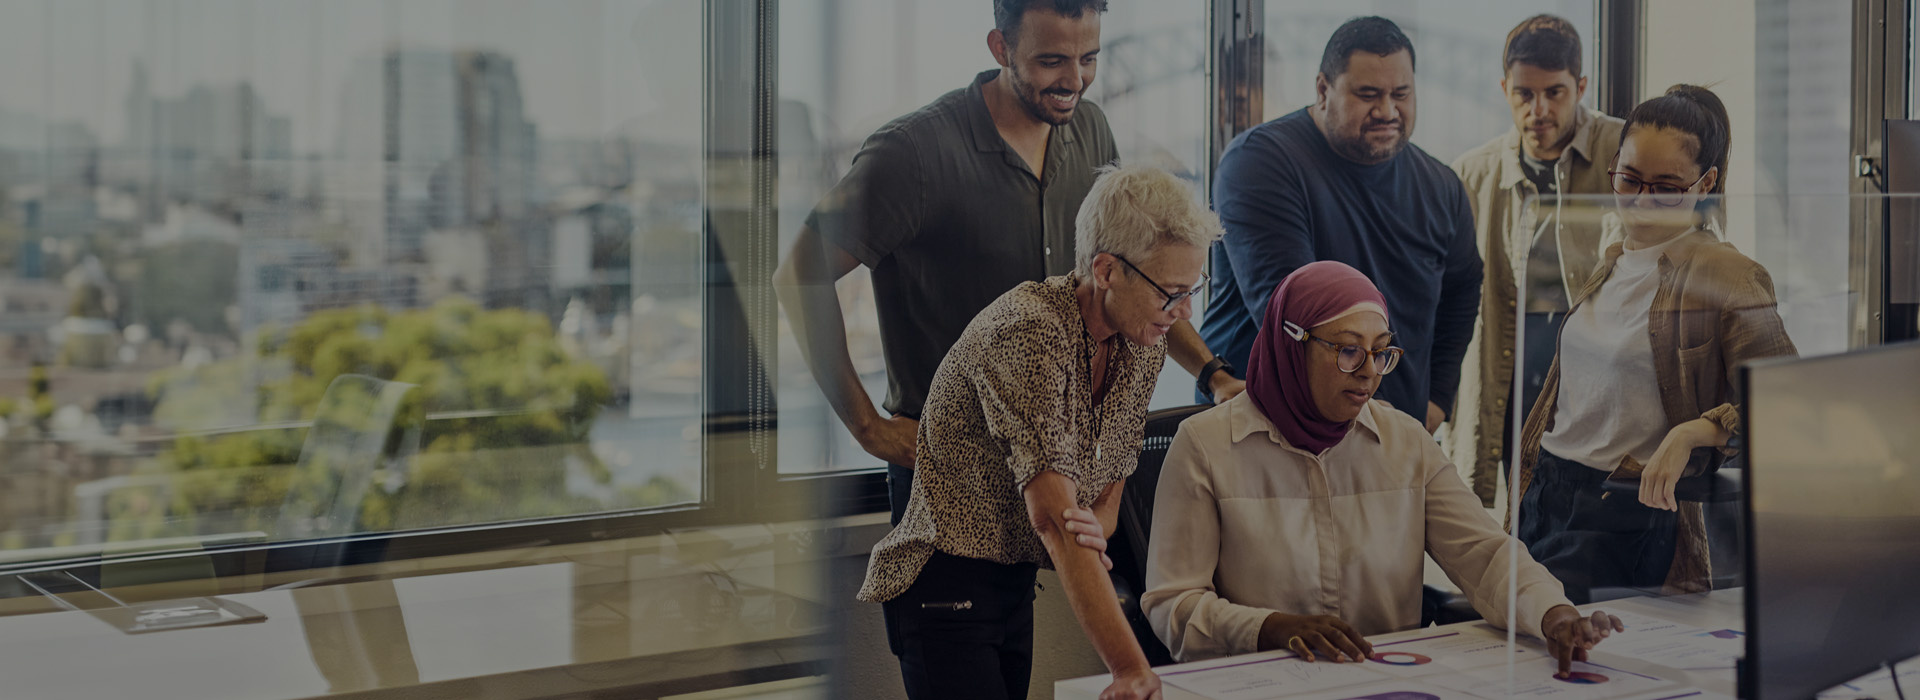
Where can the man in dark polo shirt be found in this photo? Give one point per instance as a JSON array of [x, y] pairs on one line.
[[951, 206], [1339, 180]]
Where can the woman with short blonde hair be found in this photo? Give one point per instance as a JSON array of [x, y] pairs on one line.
[[1031, 429]]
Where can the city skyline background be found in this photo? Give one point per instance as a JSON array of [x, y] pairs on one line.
[[74, 60]]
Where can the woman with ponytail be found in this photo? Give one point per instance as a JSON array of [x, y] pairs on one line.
[[1641, 388]]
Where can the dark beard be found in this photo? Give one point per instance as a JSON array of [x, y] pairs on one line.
[[1030, 99], [1360, 151]]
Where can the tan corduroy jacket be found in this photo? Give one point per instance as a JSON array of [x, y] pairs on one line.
[[1505, 217], [1714, 309]]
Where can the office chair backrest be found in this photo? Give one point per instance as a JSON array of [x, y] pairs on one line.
[[1128, 547], [361, 422], [1136, 500]]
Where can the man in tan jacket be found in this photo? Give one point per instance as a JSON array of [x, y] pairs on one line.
[[1515, 182]]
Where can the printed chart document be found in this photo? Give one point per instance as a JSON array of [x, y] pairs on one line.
[[1442, 666], [1540, 679], [1391, 690], [1644, 624], [1456, 650], [1271, 678], [1675, 645], [1878, 684], [1682, 694]]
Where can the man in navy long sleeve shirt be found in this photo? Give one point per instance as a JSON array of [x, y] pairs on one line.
[[1339, 181]]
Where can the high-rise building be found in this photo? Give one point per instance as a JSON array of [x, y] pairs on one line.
[[446, 136], [214, 145]]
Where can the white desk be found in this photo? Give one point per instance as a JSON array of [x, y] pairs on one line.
[[647, 617], [1713, 611]]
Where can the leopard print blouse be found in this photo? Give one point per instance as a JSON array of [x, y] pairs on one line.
[[1014, 398]]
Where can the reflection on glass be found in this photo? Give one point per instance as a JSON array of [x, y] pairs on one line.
[[357, 636], [496, 203]]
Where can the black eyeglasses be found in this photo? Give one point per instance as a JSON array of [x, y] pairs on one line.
[[1173, 298], [1665, 195], [1384, 359]]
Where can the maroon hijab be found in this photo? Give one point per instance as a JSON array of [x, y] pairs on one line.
[[1277, 369]]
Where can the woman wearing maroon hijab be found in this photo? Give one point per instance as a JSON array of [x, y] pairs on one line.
[[1297, 515]]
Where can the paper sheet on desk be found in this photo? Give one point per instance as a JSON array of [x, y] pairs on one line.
[[1444, 666], [1878, 684], [1674, 645], [1537, 679], [1271, 678], [1392, 690], [1448, 650], [1644, 624], [1289, 676]]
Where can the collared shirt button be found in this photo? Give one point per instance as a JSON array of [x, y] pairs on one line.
[[1507, 352], [1049, 250]]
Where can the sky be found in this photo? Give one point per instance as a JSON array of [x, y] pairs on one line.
[[585, 66]]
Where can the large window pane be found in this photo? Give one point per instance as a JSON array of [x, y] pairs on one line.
[[216, 209], [1784, 70]]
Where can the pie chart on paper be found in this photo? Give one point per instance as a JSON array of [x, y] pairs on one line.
[[1581, 678], [1401, 658]]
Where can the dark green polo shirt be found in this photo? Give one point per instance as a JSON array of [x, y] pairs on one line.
[[948, 218]]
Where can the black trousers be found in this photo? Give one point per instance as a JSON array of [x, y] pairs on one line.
[[964, 630], [1600, 546], [899, 488]]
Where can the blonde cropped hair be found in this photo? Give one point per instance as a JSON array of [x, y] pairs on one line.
[[1133, 209]]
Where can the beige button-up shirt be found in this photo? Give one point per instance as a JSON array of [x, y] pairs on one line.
[[1245, 525], [1506, 213]]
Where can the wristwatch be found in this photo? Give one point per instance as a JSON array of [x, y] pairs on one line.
[[1204, 380]]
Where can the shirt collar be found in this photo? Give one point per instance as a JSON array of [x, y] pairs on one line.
[[985, 136], [1584, 132], [1244, 418]]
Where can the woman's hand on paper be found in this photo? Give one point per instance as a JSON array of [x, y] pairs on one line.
[[1571, 635], [1313, 637]]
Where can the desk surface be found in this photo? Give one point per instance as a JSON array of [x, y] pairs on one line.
[[673, 614], [1716, 610]]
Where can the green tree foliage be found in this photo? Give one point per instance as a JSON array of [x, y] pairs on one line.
[[509, 440], [40, 395]]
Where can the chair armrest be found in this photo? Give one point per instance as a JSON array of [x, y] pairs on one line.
[[1721, 486]]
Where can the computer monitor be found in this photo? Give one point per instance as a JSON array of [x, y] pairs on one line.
[[1833, 519]]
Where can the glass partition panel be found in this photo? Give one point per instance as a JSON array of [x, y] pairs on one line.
[[1625, 322]]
